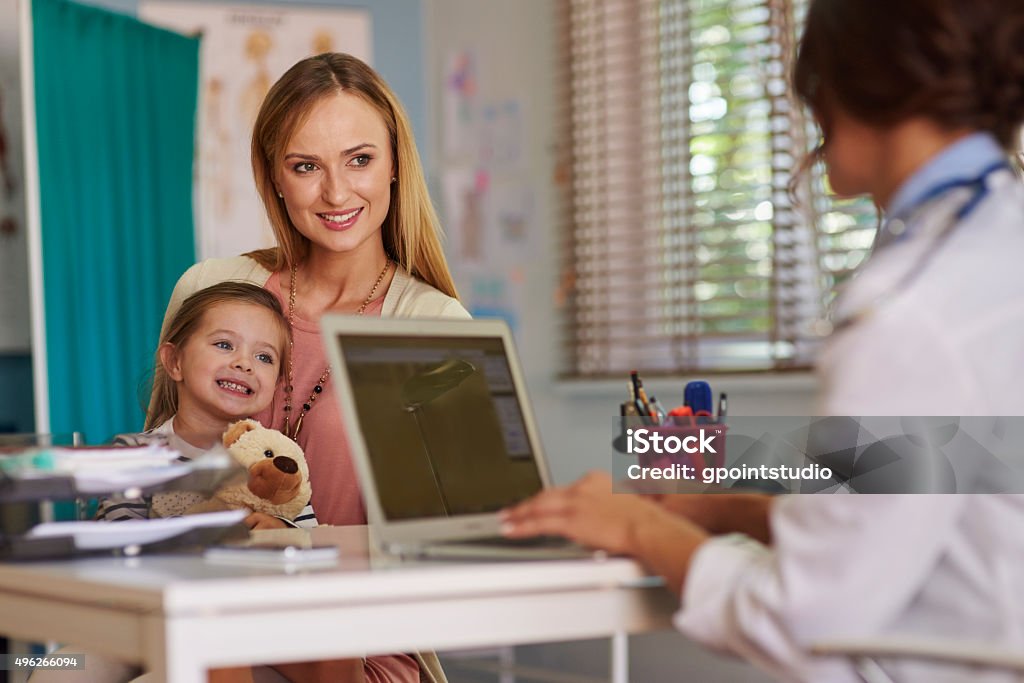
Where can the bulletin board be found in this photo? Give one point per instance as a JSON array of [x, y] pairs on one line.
[[244, 50]]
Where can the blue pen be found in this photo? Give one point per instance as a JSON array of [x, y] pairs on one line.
[[697, 396]]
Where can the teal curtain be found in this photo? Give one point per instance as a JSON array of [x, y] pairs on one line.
[[115, 113]]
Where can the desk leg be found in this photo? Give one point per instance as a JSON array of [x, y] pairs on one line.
[[619, 672], [171, 655], [507, 660]]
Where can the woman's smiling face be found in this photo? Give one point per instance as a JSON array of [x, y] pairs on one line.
[[335, 175]]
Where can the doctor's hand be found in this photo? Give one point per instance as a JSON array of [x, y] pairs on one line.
[[586, 512], [590, 514]]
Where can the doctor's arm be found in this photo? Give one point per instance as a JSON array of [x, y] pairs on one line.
[[590, 514], [724, 513]]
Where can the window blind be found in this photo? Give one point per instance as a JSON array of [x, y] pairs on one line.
[[683, 249]]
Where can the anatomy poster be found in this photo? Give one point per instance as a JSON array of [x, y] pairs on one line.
[[244, 50]]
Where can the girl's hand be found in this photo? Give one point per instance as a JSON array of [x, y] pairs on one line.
[[260, 520]]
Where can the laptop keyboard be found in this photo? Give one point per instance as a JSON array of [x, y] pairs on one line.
[[504, 542], [501, 548]]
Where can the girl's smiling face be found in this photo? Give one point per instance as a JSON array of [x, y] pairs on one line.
[[230, 365], [335, 175]]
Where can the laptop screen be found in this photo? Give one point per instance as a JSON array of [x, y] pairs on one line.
[[442, 422]]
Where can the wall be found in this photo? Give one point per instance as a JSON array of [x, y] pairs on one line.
[[397, 44]]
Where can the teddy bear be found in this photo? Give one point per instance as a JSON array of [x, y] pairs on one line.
[[278, 483]]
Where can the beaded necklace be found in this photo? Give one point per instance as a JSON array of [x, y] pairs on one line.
[[318, 389]]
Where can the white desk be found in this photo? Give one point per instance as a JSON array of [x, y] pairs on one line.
[[182, 615]]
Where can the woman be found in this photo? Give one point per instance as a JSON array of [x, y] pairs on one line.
[[337, 169], [919, 109]]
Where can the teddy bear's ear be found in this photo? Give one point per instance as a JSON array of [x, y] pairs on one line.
[[236, 430]]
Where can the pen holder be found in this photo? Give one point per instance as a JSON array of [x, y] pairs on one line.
[[681, 428]]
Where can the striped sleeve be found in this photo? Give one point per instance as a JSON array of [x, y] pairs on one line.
[[119, 508], [306, 519]]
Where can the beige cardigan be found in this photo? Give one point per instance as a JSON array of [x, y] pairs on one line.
[[407, 297]]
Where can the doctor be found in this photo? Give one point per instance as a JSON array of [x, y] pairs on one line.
[[920, 103]]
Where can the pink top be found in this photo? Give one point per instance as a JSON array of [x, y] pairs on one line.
[[336, 496]]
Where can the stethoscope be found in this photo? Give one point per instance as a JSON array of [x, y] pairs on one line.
[[894, 231]]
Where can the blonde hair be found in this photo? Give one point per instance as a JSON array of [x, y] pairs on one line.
[[163, 402], [411, 230]]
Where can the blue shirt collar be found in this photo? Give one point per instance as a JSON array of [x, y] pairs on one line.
[[965, 160]]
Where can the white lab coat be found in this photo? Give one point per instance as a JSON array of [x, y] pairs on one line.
[[949, 342]]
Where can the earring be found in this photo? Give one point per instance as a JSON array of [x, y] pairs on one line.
[[394, 179], [280, 194]]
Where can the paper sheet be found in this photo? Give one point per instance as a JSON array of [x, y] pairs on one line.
[[106, 535]]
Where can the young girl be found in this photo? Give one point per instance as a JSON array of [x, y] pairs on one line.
[[220, 360]]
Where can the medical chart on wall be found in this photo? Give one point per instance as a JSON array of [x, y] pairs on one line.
[[15, 327], [486, 190], [244, 50]]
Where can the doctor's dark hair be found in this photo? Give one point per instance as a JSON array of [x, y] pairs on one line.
[[959, 63], [163, 401]]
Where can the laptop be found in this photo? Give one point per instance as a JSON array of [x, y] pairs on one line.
[[441, 433]]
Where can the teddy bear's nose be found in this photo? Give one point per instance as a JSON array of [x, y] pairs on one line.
[[286, 465]]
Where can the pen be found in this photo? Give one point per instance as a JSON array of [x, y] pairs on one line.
[[642, 404], [642, 395], [636, 407], [659, 413], [697, 395]]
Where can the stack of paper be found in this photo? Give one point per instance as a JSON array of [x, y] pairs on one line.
[[44, 462], [107, 535], [97, 471]]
